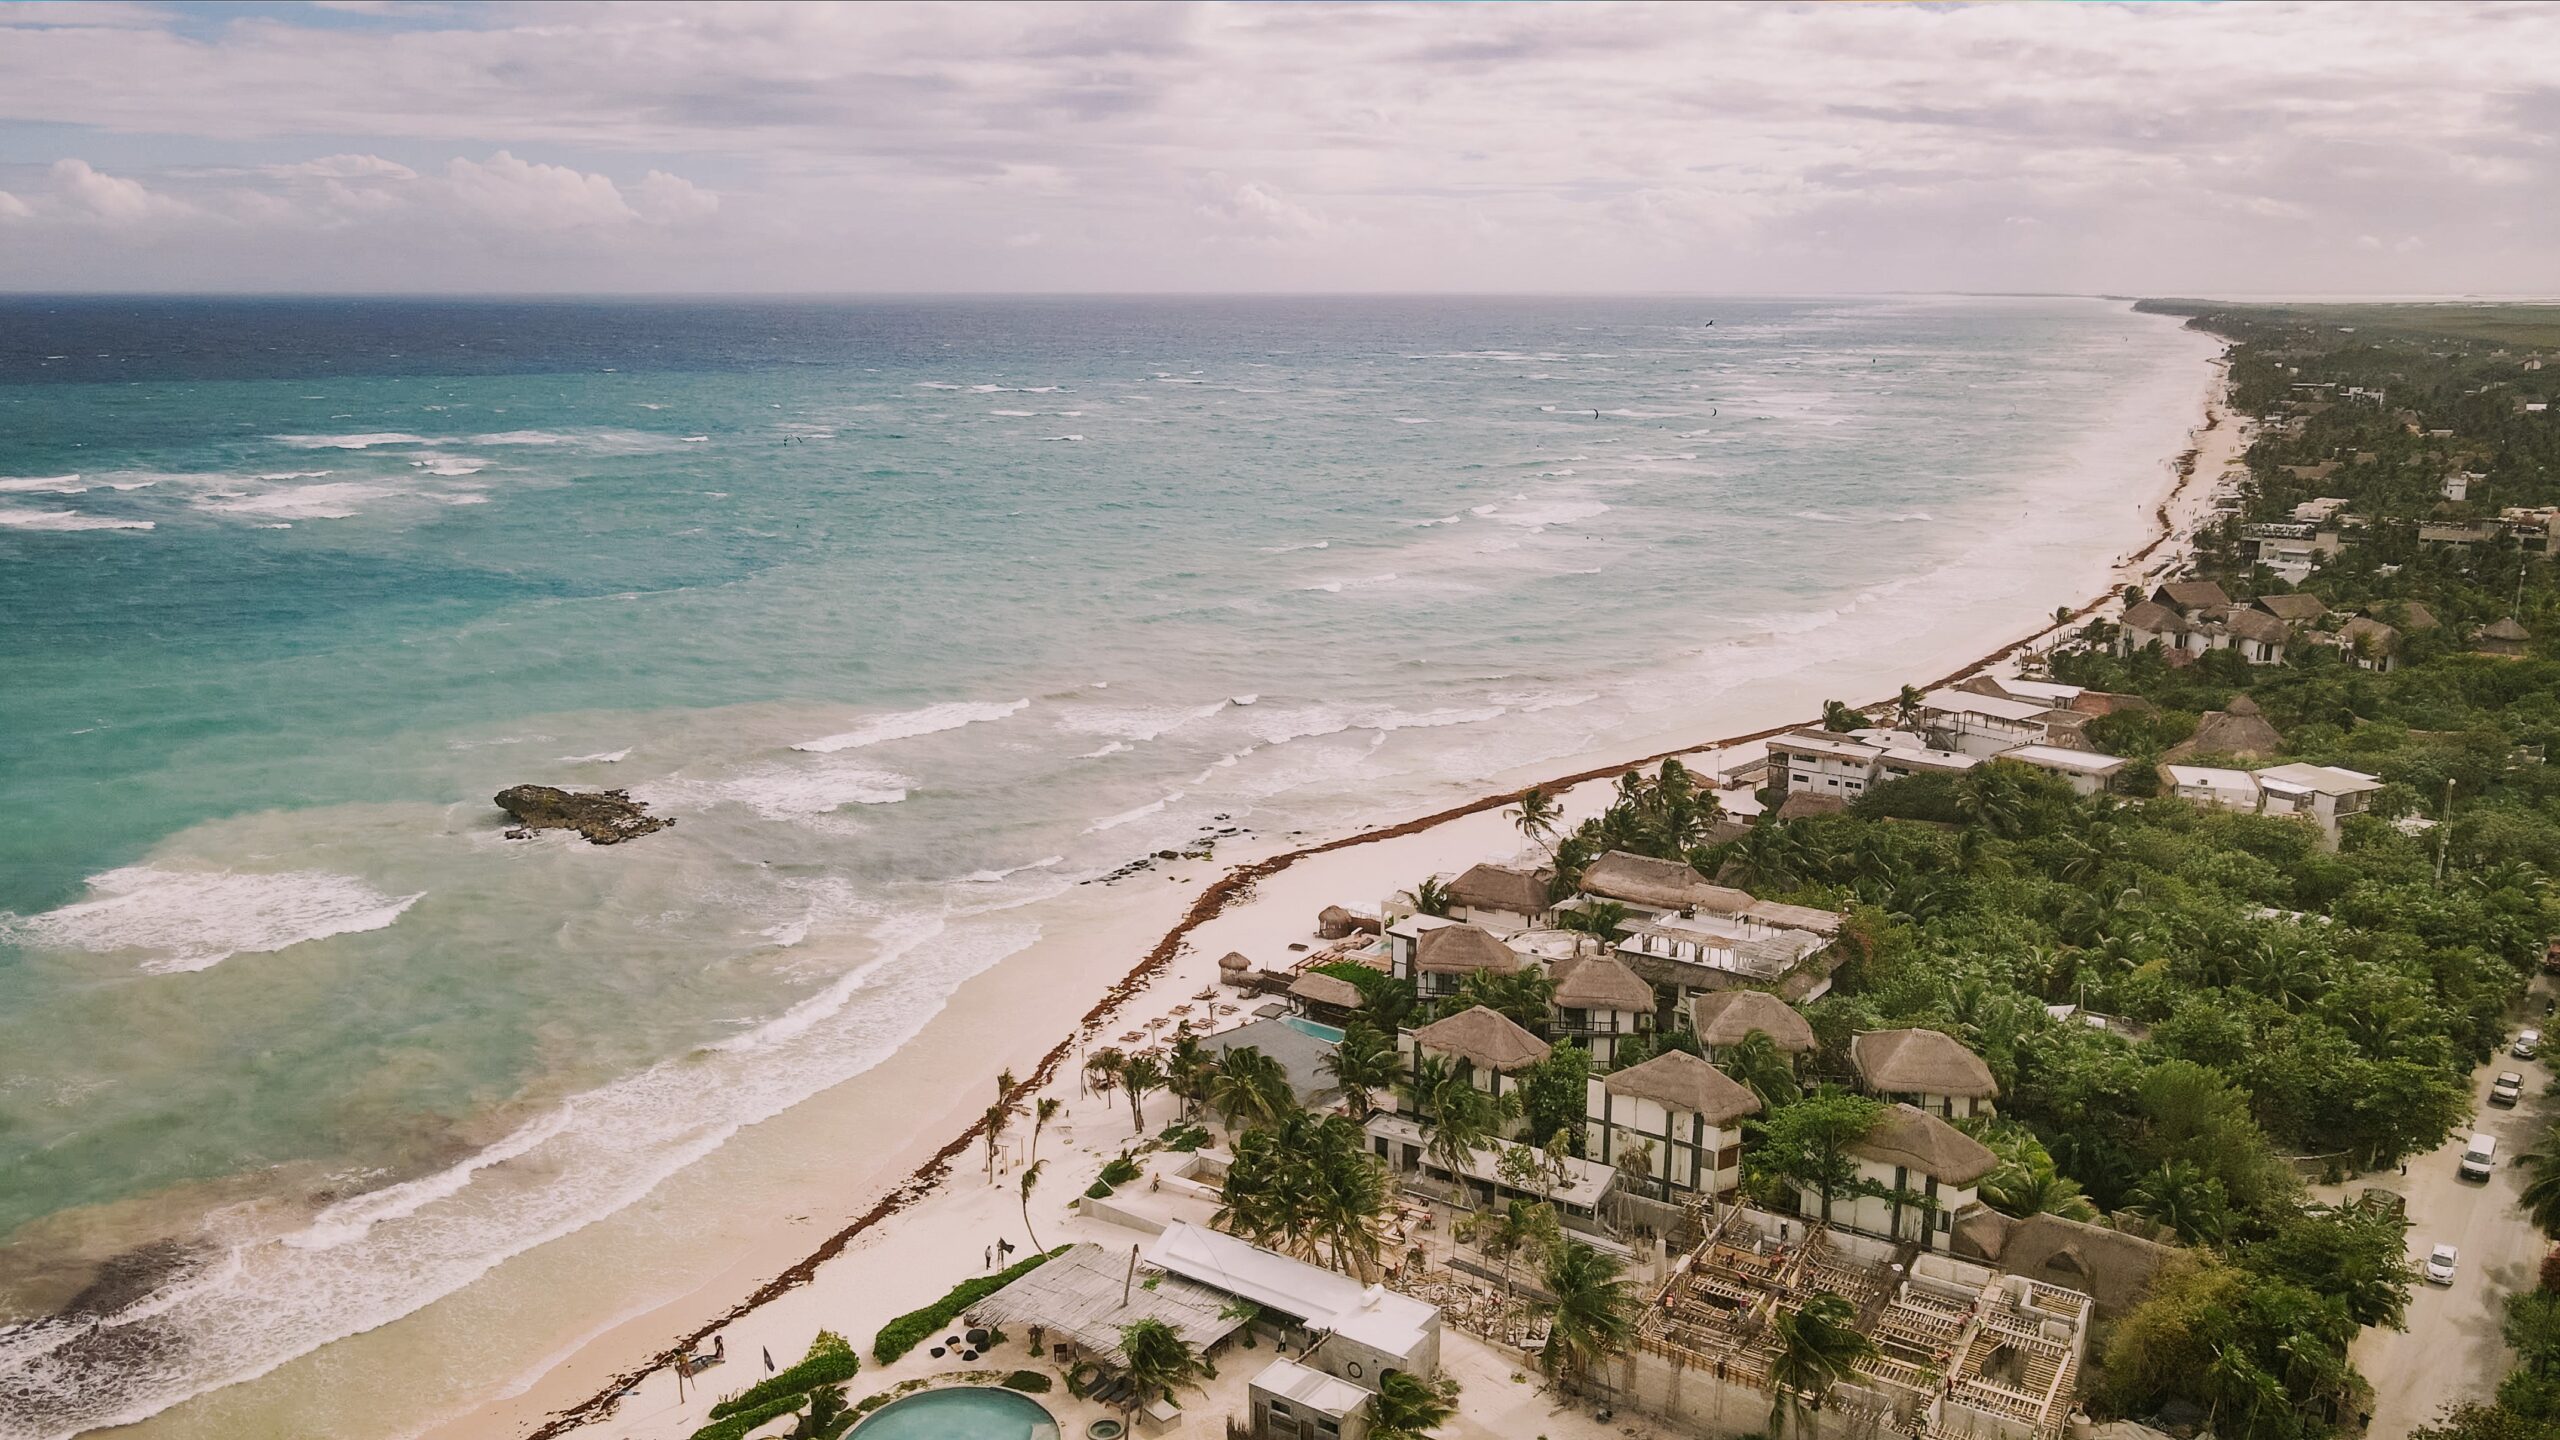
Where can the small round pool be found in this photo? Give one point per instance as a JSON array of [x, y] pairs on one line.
[[970, 1412]]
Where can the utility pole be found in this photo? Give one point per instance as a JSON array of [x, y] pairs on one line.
[[2444, 830]]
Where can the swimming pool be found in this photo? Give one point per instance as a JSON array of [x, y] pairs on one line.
[[1305, 1026], [971, 1412]]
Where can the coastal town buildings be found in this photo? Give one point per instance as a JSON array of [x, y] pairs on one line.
[[1502, 898], [1600, 1003], [1927, 1069], [1673, 1120], [1916, 1177]]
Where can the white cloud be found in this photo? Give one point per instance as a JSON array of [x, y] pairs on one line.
[[13, 208], [673, 200], [1517, 147], [343, 167], [111, 198], [526, 195]]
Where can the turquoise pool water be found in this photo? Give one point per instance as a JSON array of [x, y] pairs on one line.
[[973, 1413], [1304, 1026]]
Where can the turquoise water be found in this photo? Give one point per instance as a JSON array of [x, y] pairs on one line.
[[965, 1414], [1305, 1026], [916, 616]]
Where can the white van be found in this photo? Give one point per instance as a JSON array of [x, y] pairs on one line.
[[2478, 1156]]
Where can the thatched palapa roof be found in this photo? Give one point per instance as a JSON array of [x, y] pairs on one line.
[[1487, 1038], [1317, 988], [2189, 596], [1234, 962], [2297, 609], [1678, 1080], [1499, 887], [2110, 1266], [2258, 625], [1604, 983], [1658, 884], [1919, 1141], [2240, 730], [1725, 1017], [2153, 618], [1462, 950], [1334, 922], [1920, 1062]]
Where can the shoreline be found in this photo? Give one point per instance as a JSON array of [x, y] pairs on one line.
[[2174, 518]]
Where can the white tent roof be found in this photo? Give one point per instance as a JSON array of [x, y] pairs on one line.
[[1372, 1315], [1308, 1386]]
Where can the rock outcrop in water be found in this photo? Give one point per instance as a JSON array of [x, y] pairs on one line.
[[605, 817]]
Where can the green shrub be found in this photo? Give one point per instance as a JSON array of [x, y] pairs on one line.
[[909, 1330], [736, 1426], [830, 1361], [1184, 1138], [1029, 1382], [1098, 1190], [1121, 1170]]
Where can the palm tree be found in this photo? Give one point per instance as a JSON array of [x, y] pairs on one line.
[[1511, 1228], [1251, 1087], [1363, 1064], [1598, 919], [1158, 1364], [1988, 796], [826, 1407], [1188, 1066], [2182, 1197], [1407, 1408], [1140, 1076], [1593, 1315], [1537, 815], [2541, 1197], [1030, 1181], [2021, 1190], [998, 1119], [1838, 716], [1041, 1114], [1757, 1064], [1526, 997], [1431, 896], [1906, 708], [1818, 1347], [1102, 1069]]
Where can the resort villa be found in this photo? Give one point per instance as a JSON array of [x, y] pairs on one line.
[[1916, 1176], [1726, 1018], [1674, 1119], [1599, 1002], [1501, 898], [1438, 954], [1926, 1069]]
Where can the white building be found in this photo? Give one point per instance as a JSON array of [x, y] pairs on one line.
[[1438, 954], [1929, 1170], [2322, 794], [1360, 1332], [1501, 898], [1599, 1002], [1820, 762], [2088, 771], [1685, 1114], [1982, 725], [2213, 787], [1927, 1069]]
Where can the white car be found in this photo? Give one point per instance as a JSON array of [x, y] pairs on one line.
[[2440, 1263], [2528, 1044]]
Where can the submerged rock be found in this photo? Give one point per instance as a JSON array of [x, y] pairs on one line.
[[605, 817]]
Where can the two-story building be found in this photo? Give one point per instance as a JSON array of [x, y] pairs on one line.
[[1927, 1069], [1677, 1115], [1723, 1019], [1600, 1002], [1659, 887], [2088, 771], [1501, 898], [1928, 1170], [1982, 725], [1822, 762], [1697, 955], [1438, 954], [2321, 794]]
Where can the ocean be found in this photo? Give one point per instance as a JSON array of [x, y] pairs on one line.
[[920, 617]]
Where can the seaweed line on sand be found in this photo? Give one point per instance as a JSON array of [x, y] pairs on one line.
[[1228, 889]]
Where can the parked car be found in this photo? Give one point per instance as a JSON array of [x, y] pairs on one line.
[[2528, 1044], [2440, 1263], [2479, 1156], [2506, 1089]]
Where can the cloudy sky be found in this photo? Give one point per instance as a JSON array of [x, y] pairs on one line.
[[2218, 149]]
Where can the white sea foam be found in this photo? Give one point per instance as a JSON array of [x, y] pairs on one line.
[[1135, 724], [1555, 512], [1017, 414], [1308, 545], [178, 920], [1062, 437], [336, 500], [436, 463], [17, 519], [1412, 420], [950, 715], [351, 1220], [350, 442], [601, 757], [1358, 582], [1116, 747], [990, 877], [297, 475], [46, 484], [784, 790], [1114, 822]]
